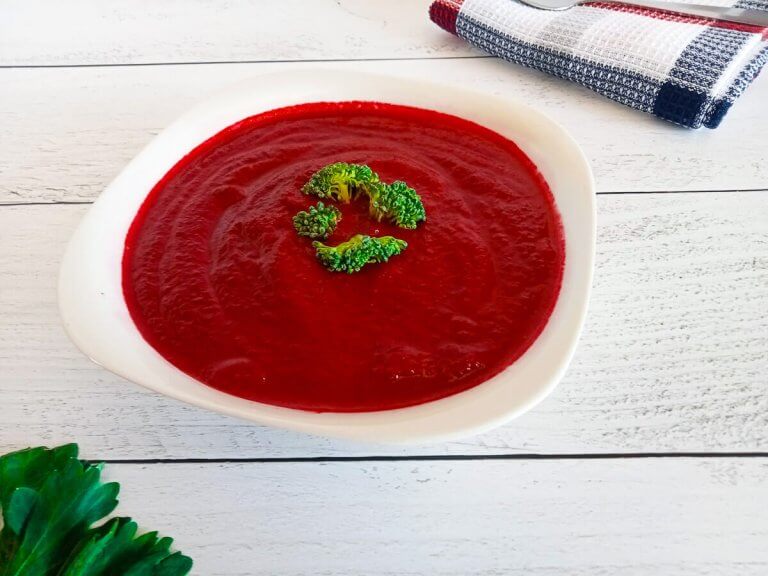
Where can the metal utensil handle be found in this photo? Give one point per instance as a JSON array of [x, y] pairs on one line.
[[740, 15]]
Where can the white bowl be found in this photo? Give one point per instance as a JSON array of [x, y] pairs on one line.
[[97, 319]]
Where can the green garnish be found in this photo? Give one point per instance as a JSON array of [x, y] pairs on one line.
[[340, 181], [396, 202], [49, 502], [352, 255], [319, 222]]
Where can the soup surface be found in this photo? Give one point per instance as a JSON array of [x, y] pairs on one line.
[[219, 283]]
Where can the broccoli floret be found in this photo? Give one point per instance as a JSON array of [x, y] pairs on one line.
[[319, 222], [352, 255], [340, 181], [398, 203]]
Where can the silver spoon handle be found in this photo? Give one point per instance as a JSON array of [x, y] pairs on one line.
[[740, 15]]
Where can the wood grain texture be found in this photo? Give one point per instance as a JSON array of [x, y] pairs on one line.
[[131, 32], [676, 517], [74, 129], [673, 357]]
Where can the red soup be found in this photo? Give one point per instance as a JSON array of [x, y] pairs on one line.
[[219, 283]]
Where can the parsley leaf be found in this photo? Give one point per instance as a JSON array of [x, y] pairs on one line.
[[49, 502]]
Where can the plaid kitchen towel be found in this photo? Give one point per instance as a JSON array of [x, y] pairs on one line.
[[688, 70]]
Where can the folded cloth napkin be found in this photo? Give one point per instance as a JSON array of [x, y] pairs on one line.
[[688, 70]]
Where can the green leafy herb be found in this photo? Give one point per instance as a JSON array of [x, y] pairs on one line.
[[319, 222], [114, 549], [352, 255], [49, 502]]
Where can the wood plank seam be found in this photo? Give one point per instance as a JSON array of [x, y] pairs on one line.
[[598, 192], [215, 62], [442, 458]]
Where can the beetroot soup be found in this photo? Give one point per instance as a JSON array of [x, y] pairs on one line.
[[219, 283]]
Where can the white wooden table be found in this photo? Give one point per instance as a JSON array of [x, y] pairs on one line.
[[651, 458]]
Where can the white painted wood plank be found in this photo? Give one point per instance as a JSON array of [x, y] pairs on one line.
[[679, 517], [47, 32], [673, 357], [70, 131]]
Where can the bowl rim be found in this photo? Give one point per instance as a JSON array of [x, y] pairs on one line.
[[96, 317]]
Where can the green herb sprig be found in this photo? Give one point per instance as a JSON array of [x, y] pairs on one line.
[[50, 500]]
